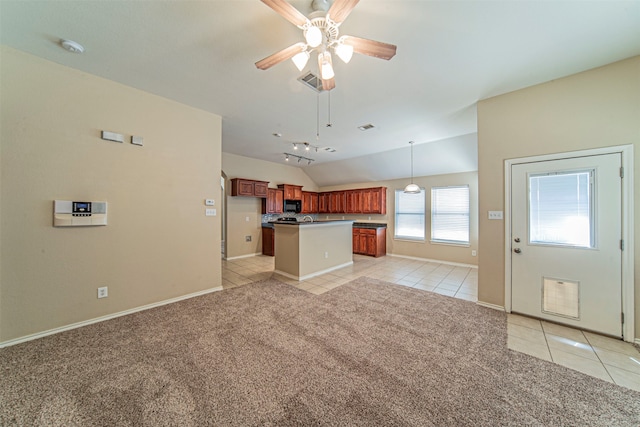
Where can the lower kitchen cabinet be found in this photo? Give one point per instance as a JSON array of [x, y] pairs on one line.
[[268, 241], [370, 241]]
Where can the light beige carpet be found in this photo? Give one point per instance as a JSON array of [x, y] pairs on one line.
[[366, 353]]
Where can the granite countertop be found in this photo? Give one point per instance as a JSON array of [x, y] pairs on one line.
[[324, 221], [369, 225], [355, 224]]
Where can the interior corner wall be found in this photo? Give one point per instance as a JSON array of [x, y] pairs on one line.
[[592, 109], [158, 244]]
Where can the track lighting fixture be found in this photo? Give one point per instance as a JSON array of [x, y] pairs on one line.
[[300, 158]]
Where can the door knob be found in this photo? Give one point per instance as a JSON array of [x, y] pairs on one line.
[[517, 250], [517, 240]]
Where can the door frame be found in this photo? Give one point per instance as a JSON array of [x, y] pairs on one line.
[[628, 284]]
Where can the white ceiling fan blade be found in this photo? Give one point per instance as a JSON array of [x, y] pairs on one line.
[[288, 12], [370, 47], [280, 56], [340, 9]]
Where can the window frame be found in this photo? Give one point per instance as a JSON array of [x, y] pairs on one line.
[[396, 236], [464, 243]]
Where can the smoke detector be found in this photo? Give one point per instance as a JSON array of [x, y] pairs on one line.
[[71, 46]]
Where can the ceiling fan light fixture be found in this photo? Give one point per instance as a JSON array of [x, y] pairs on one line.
[[326, 66], [300, 59], [313, 36], [344, 52]]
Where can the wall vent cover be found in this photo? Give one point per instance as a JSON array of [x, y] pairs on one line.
[[312, 81]]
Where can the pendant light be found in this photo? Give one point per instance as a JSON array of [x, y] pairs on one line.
[[411, 188]]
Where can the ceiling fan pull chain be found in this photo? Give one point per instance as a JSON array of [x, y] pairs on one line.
[[329, 122], [318, 116]]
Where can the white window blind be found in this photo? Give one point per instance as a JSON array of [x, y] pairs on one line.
[[561, 209], [450, 214], [410, 209]]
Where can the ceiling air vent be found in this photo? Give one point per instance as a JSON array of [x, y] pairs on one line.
[[366, 127], [312, 81]]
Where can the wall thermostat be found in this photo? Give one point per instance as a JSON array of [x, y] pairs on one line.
[[68, 213]]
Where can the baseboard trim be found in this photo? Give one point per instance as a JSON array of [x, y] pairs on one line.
[[243, 256], [492, 306], [457, 264], [106, 317], [317, 273]]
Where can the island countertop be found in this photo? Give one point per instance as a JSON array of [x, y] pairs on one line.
[[306, 223]]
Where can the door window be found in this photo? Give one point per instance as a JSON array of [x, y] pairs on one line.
[[561, 209]]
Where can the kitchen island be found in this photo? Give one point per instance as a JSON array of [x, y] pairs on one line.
[[307, 249]]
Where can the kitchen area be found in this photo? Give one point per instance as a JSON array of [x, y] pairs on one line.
[[311, 233]]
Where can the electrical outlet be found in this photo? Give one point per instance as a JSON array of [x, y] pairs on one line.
[[247, 238], [103, 292], [473, 253], [326, 254]]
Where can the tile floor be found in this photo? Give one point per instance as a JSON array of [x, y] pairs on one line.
[[602, 357]]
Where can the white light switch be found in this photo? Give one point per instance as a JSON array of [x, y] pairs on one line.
[[495, 214], [210, 212], [209, 202]]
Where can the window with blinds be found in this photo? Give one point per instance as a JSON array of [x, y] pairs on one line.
[[450, 214], [409, 220], [561, 209]]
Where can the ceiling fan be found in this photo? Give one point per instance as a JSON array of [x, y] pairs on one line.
[[321, 33]]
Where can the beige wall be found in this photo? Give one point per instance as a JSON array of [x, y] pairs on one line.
[[426, 249], [596, 108], [238, 209], [158, 244]]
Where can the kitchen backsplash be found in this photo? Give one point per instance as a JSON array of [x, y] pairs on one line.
[[299, 217]]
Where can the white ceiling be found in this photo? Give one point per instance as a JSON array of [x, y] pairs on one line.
[[450, 55]]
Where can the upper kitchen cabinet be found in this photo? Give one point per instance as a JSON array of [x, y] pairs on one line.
[[361, 200], [309, 202], [374, 200], [291, 192], [274, 202], [248, 187], [323, 202]]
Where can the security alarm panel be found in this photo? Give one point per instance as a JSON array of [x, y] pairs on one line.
[[68, 213]]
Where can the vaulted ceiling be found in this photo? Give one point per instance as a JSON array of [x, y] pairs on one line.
[[450, 55]]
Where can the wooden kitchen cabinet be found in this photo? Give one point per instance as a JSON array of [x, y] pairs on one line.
[[291, 192], [274, 202], [323, 202], [268, 241], [248, 187], [337, 202], [353, 201], [370, 241], [361, 200], [309, 202]]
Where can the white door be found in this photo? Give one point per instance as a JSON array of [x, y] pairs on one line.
[[566, 241]]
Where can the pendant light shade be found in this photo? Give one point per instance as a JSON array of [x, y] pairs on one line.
[[411, 188]]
